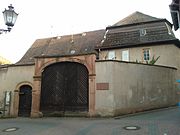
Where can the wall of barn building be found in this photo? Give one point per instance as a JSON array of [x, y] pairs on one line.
[[11, 78], [169, 55], [123, 87]]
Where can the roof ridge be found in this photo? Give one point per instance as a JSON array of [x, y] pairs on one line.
[[74, 34], [136, 17]]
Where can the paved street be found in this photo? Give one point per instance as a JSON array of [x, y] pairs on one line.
[[160, 122]]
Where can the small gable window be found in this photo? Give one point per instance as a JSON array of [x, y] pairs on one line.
[[146, 54], [142, 32]]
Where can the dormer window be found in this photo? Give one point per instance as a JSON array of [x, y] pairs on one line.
[[142, 32]]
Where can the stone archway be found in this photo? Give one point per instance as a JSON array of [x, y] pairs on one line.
[[17, 95], [42, 62], [25, 101]]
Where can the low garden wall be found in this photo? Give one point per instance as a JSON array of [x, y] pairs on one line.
[[123, 87]]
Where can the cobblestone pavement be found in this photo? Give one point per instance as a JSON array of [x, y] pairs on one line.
[[160, 122]]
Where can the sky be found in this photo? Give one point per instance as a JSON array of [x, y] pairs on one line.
[[48, 18]]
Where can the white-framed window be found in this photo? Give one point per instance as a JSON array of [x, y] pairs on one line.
[[111, 55], [125, 55], [146, 54]]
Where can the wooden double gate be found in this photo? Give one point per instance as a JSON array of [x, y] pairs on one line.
[[64, 88]]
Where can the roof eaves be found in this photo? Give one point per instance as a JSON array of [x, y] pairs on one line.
[[22, 64], [55, 56], [174, 41]]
